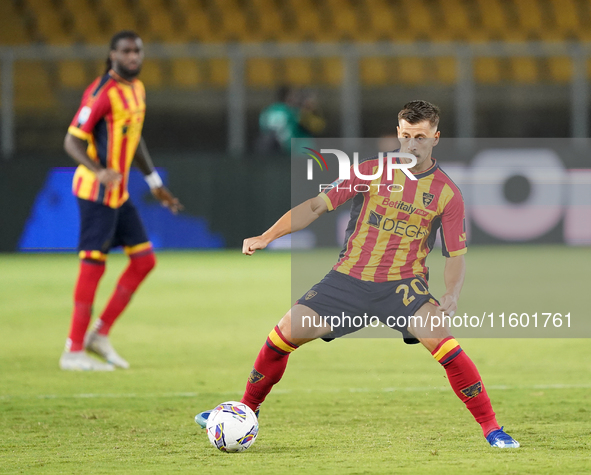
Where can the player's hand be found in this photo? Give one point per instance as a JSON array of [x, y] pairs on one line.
[[448, 304], [250, 245], [108, 177], [167, 199]]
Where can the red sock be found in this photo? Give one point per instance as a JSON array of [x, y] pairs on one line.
[[137, 270], [90, 274], [466, 383], [268, 368]]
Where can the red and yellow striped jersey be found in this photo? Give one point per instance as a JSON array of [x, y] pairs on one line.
[[110, 118], [391, 232]]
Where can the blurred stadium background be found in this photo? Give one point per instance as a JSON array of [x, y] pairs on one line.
[[497, 69]]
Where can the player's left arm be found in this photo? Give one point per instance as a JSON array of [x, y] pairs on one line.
[[144, 162], [453, 240], [453, 275]]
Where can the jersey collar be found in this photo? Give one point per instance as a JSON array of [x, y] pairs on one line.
[[118, 78], [434, 166]]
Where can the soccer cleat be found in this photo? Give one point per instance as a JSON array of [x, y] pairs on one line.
[[80, 361], [202, 417], [100, 345], [499, 438]]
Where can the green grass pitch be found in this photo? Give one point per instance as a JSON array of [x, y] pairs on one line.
[[357, 405]]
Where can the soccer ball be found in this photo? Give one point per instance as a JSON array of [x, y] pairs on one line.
[[232, 427]]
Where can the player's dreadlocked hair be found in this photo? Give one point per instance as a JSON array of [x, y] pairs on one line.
[[124, 34], [418, 111]]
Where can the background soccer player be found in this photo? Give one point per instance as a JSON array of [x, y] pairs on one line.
[[104, 137], [381, 270]]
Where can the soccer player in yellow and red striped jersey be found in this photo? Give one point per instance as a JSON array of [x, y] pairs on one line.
[[105, 137], [381, 270]]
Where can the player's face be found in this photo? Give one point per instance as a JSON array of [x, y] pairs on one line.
[[418, 139], [127, 57]]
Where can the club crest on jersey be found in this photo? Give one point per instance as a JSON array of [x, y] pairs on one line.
[[255, 376], [427, 198], [473, 391], [311, 294]]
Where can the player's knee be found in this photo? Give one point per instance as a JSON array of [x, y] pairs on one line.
[[285, 326], [97, 262], [432, 343], [292, 330], [95, 266], [144, 264]]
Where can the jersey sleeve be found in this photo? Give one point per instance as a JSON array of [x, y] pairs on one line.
[[340, 191], [453, 227], [91, 110]]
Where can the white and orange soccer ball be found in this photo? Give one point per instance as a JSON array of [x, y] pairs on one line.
[[232, 427]]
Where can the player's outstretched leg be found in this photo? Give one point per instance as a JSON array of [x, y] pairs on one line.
[[272, 359], [74, 358], [463, 377], [141, 263]]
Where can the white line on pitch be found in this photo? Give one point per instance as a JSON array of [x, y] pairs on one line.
[[283, 391]]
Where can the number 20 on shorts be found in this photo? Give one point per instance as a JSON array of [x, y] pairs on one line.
[[417, 286]]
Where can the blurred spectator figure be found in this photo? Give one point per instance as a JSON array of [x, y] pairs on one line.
[[312, 122], [279, 123], [294, 115]]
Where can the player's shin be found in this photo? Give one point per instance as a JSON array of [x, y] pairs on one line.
[[268, 368], [90, 274], [139, 267], [466, 382]]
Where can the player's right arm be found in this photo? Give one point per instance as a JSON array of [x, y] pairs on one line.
[[294, 220], [95, 105], [306, 213], [76, 148]]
